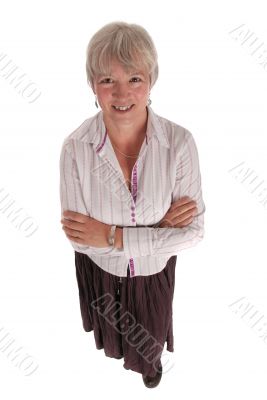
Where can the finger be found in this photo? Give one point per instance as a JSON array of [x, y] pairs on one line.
[[184, 208], [188, 209], [78, 226], [74, 216], [183, 217], [166, 222], [182, 201], [75, 239], [184, 223], [73, 232]]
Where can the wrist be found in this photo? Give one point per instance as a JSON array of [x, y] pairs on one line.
[[118, 244], [111, 235]]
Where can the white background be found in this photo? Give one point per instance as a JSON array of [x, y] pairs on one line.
[[209, 83]]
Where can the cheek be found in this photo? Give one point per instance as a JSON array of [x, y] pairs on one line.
[[103, 93], [107, 93], [142, 92]]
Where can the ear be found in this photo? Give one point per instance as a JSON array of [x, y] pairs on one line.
[[92, 86]]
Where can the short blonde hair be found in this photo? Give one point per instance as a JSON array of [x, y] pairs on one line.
[[129, 44]]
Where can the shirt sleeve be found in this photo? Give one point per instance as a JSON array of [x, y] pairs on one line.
[[71, 198], [144, 241]]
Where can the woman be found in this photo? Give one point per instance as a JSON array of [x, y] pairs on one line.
[[130, 191]]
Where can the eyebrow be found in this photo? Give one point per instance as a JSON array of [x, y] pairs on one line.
[[137, 73], [131, 73]]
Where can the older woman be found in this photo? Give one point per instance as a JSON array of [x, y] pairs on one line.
[[131, 199]]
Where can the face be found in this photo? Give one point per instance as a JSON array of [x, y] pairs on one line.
[[122, 88]]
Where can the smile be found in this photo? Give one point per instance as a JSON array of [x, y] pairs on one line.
[[123, 108]]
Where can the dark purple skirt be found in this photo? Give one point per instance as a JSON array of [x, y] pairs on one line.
[[130, 317]]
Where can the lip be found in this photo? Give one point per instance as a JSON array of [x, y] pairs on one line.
[[121, 111], [120, 105]]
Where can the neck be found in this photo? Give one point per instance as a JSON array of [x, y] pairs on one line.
[[126, 132]]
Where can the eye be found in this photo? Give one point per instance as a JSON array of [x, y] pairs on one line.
[[106, 79], [109, 79], [137, 78]]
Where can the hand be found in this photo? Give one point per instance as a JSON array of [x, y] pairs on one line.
[[180, 214], [85, 230]]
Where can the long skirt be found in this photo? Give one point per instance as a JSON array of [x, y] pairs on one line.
[[130, 317]]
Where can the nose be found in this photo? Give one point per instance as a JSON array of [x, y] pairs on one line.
[[121, 91]]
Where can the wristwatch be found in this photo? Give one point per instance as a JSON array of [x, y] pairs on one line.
[[111, 238]]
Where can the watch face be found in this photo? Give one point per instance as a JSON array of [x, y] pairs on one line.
[[111, 238]]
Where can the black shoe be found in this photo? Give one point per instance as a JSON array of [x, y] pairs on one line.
[[152, 382]]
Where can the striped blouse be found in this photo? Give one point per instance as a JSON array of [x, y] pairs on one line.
[[92, 183]]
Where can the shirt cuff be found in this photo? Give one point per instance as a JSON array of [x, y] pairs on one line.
[[137, 242]]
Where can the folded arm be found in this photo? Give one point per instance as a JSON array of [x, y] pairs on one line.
[[141, 241], [71, 198], [144, 241]]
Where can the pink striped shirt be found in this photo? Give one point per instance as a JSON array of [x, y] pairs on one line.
[[92, 183]]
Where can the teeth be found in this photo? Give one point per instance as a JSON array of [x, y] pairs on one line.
[[122, 108]]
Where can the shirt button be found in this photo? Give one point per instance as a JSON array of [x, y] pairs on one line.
[[132, 208], [133, 220], [133, 214]]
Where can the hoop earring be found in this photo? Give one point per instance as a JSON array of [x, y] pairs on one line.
[[96, 101]]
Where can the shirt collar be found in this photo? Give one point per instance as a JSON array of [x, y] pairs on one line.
[[155, 127]]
